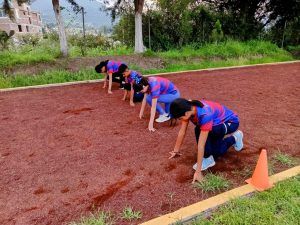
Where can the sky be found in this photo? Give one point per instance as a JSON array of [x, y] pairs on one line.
[[93, 14]]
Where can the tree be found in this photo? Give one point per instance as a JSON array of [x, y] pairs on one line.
[[138, 41], [239, 17], [59, 20], [281, 11], [217, 33], [123, 31], [284, 18], [203, 23], [121, 6], [61, 28], [4, 38]]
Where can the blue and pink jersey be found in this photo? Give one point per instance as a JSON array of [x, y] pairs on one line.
[[134, 77], [113, 66], [160, 86], [213, 114]]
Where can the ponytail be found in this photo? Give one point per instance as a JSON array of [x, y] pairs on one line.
[[137, 87], [180, 106], [197, 103], [144, 81], [100, 65]]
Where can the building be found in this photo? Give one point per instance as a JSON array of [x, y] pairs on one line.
[[26, 20]]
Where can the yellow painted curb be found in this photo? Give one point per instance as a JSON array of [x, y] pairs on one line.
[[157, 74], [50, 85], [225, 68], [189, 212]]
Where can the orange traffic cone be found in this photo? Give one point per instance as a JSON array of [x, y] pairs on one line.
[[260, 178]]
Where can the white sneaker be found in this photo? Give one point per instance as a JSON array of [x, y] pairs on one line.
[[163, 118], [206, 163], [238, 136]]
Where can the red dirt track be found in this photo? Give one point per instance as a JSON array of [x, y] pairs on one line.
[[66, 151]]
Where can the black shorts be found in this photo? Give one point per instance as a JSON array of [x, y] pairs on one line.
[[138, 97], [117, 77]]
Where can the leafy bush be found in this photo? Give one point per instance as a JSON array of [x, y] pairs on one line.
[[52, 36], [30, 39], [4, 39], [90, 41], [217, 33]]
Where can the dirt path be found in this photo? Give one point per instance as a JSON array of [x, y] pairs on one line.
[[79, 63], [66, 151]]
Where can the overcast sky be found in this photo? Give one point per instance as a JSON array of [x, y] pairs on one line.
[[93, 14]]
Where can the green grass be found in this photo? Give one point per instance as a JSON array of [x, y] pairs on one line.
[[129, 214], [48, 52], [227, 49], [181, 66], [61, 76], [53, 76], [122, 50], [213, 183], [28, 55], [271, 167], [294, 48], [99, 218], [245, 173], [106, 218], [277, 206], [284, 159], [230, 53]]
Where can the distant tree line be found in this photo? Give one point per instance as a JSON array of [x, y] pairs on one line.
[[174, 23], [166, 24]]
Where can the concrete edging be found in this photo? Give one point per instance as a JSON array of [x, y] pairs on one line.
[[191, 211], [157, 74]]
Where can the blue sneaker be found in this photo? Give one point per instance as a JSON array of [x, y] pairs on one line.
[[238, 136], [206, 163]]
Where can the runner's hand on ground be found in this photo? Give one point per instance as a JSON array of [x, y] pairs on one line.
[[198, 177], [151, 128], [174, 154]]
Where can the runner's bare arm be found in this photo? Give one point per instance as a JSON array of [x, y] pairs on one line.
[[143, 106], [201, 145], [110, 83], [105, 80], [125, 95], [131, 96], [152, 114], [179, 140]]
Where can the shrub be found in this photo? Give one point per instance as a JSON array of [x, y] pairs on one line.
[[30, 39]]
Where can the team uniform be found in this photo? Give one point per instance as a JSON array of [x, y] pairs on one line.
[[113, 67], [134, 77], [165, 92], [219, 121]]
